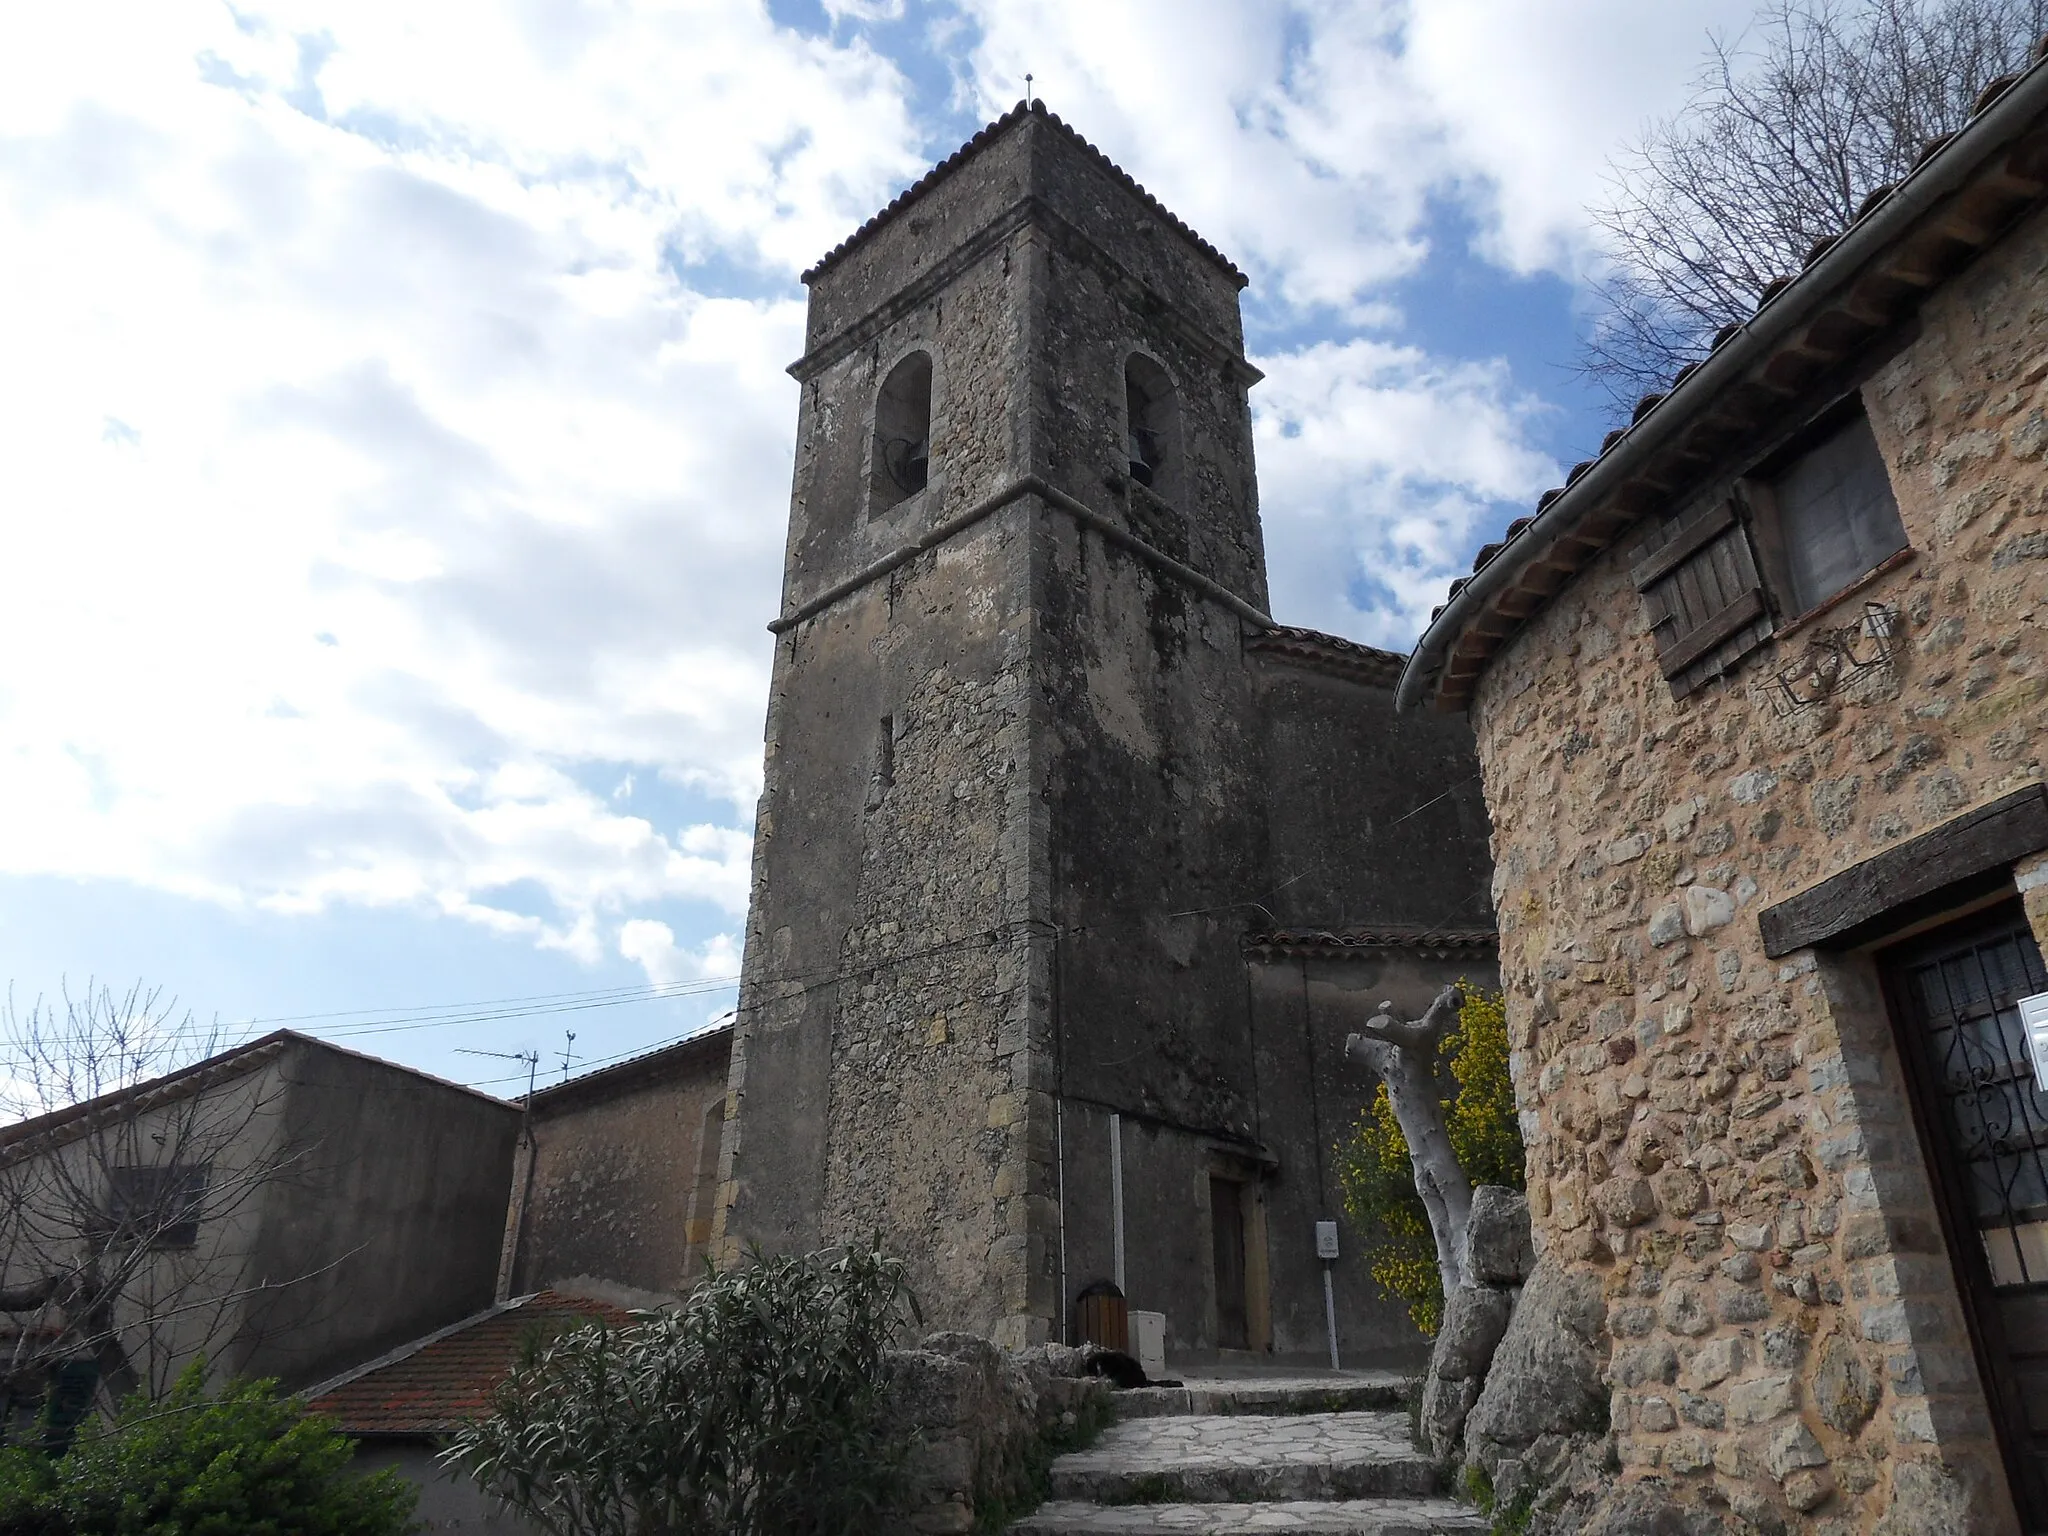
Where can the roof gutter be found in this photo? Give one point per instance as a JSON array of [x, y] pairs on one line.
[[1940, 176]]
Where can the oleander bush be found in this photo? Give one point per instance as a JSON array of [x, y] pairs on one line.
[[755, 1408]]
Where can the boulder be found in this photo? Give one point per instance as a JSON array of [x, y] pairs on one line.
[[1498, 1249], [1475, 1317], [1545, 1379], [1445, 1403]]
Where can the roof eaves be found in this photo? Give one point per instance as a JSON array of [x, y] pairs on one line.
[[1361, 943], [1329, 654], [60, 1126], [618, 1071], [2005, 111]]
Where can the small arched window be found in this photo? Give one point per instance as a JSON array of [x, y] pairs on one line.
[[903, 433], [1152, 418]]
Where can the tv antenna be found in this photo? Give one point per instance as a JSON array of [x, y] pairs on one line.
[[568, 1052], [531, 1058]]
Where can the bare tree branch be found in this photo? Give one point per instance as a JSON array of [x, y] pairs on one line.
[[1789, 129], [1404, 1054], [130, 1188]]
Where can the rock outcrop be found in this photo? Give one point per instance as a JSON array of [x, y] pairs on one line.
[[1497, 1260]]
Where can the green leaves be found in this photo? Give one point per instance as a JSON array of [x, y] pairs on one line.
[[244, 1463], [755, 1409], [1378, 1180]]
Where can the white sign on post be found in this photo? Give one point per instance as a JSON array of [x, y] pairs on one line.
[[2034, 1016], [1326, 1232]]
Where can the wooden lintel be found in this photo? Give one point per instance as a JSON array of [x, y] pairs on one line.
[[1843, 909]]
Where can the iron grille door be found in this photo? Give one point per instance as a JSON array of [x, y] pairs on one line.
[[1986, 1126]]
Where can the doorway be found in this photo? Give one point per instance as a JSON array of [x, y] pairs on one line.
[[1954, 995], [1226, 1227]]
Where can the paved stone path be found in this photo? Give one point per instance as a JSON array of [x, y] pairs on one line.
[[1215, 1458], [1273, 1458], [1327, 1391], [1345, 1517]]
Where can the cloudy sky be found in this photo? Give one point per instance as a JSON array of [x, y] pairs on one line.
[[396, 439]]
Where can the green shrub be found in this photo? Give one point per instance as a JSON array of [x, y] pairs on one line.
[[1378, 1180], [754, 1409], [243, 1463]]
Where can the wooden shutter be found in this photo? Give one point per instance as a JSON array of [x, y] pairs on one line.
[[1702, 595]]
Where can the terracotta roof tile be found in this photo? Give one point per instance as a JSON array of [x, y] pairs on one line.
[[1360, 943], [436, 1384], [1333, 654], [966, 152]]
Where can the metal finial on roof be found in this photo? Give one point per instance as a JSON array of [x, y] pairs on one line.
[[1027, 90]]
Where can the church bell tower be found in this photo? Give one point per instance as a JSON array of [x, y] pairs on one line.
[[1012, 771]]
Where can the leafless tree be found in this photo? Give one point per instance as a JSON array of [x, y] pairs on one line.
[[127, 1186], [1404, 1054], [1791, 126]]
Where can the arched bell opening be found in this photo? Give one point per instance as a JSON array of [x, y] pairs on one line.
[[1152, 427], [903, 430]]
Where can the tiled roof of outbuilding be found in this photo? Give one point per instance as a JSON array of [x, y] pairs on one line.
[[1361, 943], [967, 151], [436, 1384], [1332, 654], [1965, 190]]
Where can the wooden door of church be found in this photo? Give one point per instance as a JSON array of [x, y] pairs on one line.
[[1984, 1121], [1226, 1225]]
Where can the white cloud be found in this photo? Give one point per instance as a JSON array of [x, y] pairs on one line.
[[391, 484], [1309, 138], [651, 945], [374, 477], [1535, 100], [1286, 134], [1376, 463]]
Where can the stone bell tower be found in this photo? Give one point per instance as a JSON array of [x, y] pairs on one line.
[[1013, 783]]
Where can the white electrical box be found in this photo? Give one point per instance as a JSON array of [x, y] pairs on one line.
[[1148, 1342], [1326, 1240], [2034, 1018]]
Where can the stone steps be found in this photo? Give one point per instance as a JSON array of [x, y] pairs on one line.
[[1352, 1392], [1241, 1458], [1346, 1517]]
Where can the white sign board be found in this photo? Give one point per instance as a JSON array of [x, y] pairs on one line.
[[2034, 1015], [1326, 1231]]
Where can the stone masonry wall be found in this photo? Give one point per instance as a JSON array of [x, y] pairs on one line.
[[1724, 1139]]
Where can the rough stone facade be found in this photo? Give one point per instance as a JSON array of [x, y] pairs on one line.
[[617, 1171], [1024, 737], [1720, 1140]]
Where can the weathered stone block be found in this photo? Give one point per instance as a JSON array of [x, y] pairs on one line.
[[1498, 1249], [1761, 1400], [1714, 1362], [1793, 1446], [1626, 1201], [1845, 1390]]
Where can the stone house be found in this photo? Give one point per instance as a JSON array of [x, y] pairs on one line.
[[1073, 866], [616, 1171], [285, 1208], [1759, 702]]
